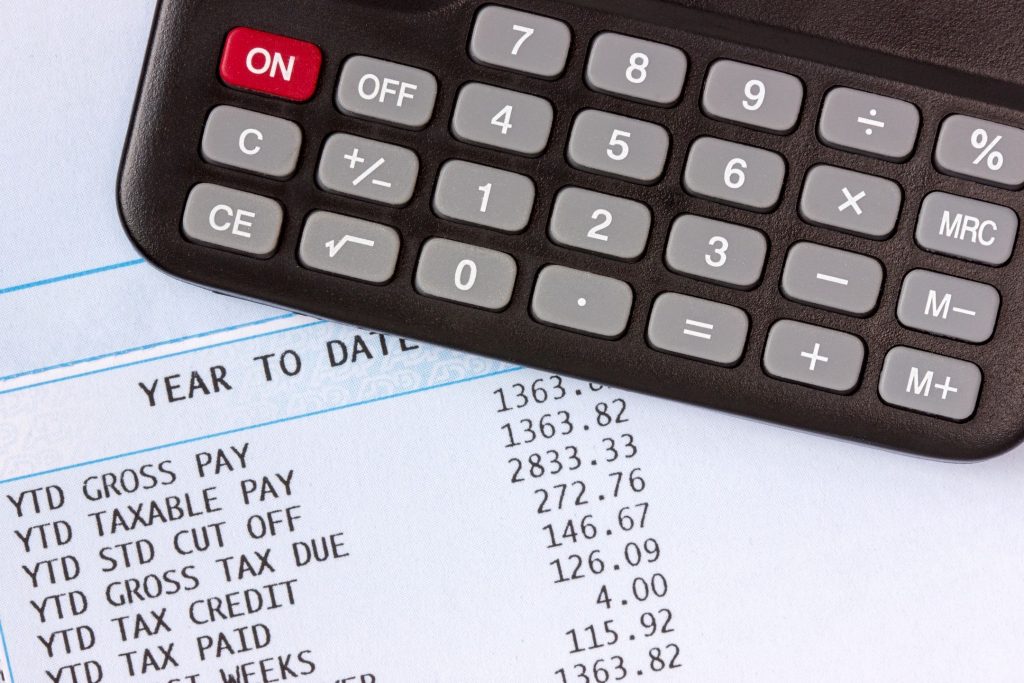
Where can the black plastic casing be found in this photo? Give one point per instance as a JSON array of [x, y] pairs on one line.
[[180, 85]]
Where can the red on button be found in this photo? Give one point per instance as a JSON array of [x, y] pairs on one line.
[[270, 64]]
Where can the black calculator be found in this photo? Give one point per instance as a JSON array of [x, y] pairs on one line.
[[665, 196]]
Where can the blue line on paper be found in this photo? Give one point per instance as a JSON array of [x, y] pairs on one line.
[[70, 276], [145, 347], [166, 355], [7, 654], [268, 423]]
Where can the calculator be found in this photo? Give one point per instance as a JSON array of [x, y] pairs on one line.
[[655, 195]]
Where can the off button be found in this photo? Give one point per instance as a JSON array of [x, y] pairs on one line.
[[270, 64]]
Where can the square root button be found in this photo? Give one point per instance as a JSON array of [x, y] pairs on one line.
[[930, 383], [815, 356], [349, 247]]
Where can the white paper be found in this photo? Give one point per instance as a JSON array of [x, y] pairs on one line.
[[785, 556]]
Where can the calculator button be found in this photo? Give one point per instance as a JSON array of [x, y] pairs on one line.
[[232, 219], [270, 64], [495, 117], [697, 328], [465, 273], [601, 223], [967, 228], [747, 177], [368, 169], [636, 69], [929, 383], [981, 150], [815, 356], [581, 301], [850, 201], [520, 41], [761, 98], [244, 139], [618, 146], [385, 91], [481, 195], [833, 279], [717, 251], [948, 306], [871, 124], [349, 247]]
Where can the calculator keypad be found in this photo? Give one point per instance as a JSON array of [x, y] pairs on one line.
[[520, 41], [981, 150], [697, 328], [270, 64], [948, 306], [232, 219], [618, 146], [753, 96], [850, 201], [871, 124], [715, 234], [930, 383], [384, 91], [636, 69], [251, 141], [731, 173], [717, 251], [834, 279], [350, 247], [600, 223], [368, 169], [815, 356], [503, 119], [466, 274], [485, 196], [581, 301], [967, 228]]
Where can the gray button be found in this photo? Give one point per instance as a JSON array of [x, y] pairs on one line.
[[520, 41], [860, 121], [349, 247], [929, 383], [368, 169], [815, 356], [618, 146], [967, 228], [600, 223], [761, 98], [833, 279], [697, 328], [948, 306], [232, 219], [747, 177], [465, 273], [582, 301], [854, 202], [251, 141], [481, 195], [385, 91], [981, 150], [637, 69], [495, 117], [715, 250]]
